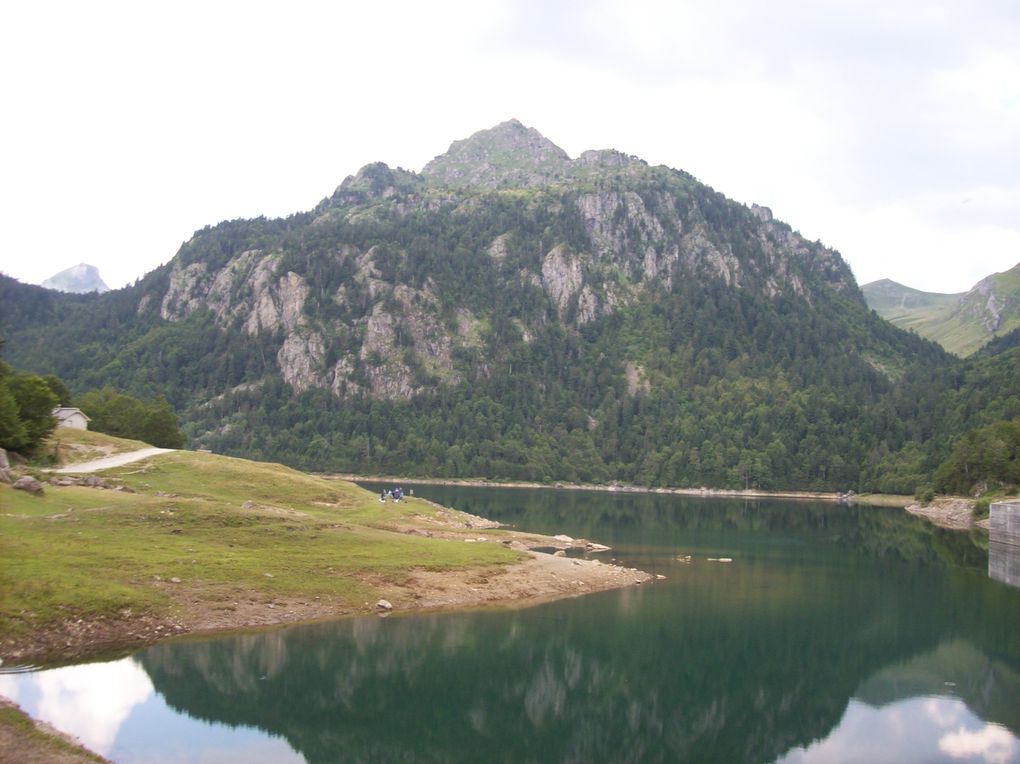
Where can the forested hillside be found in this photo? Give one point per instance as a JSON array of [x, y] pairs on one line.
[[512, 313]]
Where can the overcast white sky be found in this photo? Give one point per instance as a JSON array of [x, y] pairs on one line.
[[888, 130]]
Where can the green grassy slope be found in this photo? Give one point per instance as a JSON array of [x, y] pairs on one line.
[[962, 322], [79, 552]]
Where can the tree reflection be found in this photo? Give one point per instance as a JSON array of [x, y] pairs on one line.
[[740, 662]]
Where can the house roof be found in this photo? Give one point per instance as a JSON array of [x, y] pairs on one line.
[[66, 412]]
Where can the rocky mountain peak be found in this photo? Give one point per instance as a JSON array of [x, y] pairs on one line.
[[505, 156], [80, 279], [373, 181]]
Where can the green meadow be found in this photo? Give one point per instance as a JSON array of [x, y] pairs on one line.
[[225, 528]]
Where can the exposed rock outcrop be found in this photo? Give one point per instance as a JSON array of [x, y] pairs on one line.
[[508, 155], [562, 277], [385, 330]]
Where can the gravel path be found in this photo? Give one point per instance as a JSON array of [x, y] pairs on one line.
[[116, 460]]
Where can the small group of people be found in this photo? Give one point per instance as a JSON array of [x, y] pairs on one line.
[[394, 493]]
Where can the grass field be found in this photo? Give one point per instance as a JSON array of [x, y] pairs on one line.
[[220, 526]]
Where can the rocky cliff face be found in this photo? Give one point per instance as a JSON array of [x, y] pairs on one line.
[[994, 300], [366, 295]]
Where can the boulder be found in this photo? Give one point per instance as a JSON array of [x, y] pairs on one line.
[[5, 475], [4, 463], [384, 606], [30, 484], [591, 546]]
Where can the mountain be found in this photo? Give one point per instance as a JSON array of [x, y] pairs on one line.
[[962, 322], [887, 297], [506, 156], [511, 312], [80, 279]]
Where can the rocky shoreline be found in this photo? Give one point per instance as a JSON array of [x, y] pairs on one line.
[[952, 512]]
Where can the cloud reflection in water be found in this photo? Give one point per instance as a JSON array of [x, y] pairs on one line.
[[923, 729], [90, 701], [114, 710]]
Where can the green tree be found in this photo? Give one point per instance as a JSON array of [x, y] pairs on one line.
[[118, 414], [989, 455], [59, 389], [35, 408], [13, 436]]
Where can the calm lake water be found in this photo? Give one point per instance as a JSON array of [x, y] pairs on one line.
[[837, 634]]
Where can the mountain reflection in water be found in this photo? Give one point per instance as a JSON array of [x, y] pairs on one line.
[[834, 629]]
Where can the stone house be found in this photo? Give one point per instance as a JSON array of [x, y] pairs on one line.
[[71, 417]]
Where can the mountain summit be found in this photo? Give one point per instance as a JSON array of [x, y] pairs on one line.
[[80, 279], [508, 155]]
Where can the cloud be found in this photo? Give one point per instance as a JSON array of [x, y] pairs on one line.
[[9, 687], [913, 729], [865, 106], [91, 701], [132, 125], [994, 744]]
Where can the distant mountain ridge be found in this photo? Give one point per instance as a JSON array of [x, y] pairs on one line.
[[961, 322], [78, 279]]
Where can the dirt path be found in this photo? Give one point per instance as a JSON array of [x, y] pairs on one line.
[[117, 460]]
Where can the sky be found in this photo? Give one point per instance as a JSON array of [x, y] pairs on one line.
[[888, 130]]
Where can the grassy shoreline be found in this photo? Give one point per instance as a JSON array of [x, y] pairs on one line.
[[189, 542]]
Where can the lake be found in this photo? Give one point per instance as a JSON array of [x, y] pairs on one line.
[[836, 634]]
